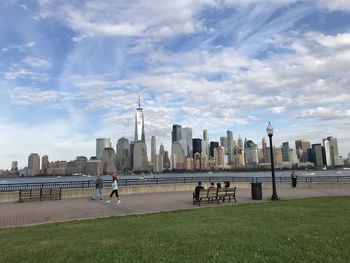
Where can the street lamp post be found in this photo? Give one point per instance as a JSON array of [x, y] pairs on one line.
[[269, 130]]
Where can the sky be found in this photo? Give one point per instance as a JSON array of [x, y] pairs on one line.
[[72, 71]]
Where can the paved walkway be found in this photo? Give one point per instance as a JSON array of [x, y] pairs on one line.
[[36, 212]]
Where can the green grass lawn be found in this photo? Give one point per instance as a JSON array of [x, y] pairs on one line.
[[304, 230]]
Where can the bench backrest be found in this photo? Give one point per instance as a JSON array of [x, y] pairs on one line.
[[231, 190]]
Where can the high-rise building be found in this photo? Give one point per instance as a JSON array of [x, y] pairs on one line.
[[186, 141], [223, 143], [251, 153], [266, 151], [301, 147], [101, 144], [205, 143], [33, 164], [197, 145], [285, 151], [330, 145], [139, 125], [177, 154], [219, 154], [108, 161], [154, 153], [213, 145], [140, 157], [230, 147], [123, 158], [317, 155], [14, 166], [176, 133], [44, 164]]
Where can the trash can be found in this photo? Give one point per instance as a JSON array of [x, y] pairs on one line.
[[256, 191]]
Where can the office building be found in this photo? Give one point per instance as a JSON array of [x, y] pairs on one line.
[[33, 164], [101, 144], [44, 164], [285, 151], [140, 157], [139, 125], [219, 154], [154, 153], [330, 145], [230, 147], [251, 153], [317, 155], [176, 133], [213, 145], [186, 141], [108, 161], [301, 147], [197, 146], [14, 166], [205, 143], [123, 158], [94, 167], [223, 143]]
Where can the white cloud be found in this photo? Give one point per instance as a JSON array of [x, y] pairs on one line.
[[325, 113], [25, 96], [37, 63], [137, 18], [334, 5]]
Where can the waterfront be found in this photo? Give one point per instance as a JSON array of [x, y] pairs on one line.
[[85, 178]]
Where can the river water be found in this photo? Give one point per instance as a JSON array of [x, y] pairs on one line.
[[47, 179]]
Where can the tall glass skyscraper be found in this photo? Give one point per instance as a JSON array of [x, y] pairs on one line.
[[139, 125]]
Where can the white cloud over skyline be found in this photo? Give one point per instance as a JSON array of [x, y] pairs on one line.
[[73, 72]]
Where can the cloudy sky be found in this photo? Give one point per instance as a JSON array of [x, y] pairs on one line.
[[72, 71]]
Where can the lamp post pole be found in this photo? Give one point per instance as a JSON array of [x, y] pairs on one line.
[[274, 193]]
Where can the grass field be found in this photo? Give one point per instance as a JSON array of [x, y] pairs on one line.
[[304, 230]]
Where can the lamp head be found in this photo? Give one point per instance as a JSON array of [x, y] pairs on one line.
[[269, 129]]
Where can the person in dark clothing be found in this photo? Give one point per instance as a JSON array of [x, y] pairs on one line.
[[227, 184], [99, 186], [294, 177], [218, 185], [197, 189]]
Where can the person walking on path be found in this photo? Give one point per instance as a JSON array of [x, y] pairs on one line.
[[114, 190], [294, 177], [99, 186]]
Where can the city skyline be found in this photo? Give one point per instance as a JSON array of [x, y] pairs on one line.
[[72, 72]]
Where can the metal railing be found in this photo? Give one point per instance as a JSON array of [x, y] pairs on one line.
[[171, 180]]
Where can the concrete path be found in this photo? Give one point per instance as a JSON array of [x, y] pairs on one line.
[[36, 212]]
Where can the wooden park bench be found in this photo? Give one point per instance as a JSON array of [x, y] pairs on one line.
[[39, 194], [220, 194]]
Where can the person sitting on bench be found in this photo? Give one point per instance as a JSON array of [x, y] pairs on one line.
[[197, 189]]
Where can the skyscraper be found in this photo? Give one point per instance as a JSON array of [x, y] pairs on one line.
[[316, 154], [197, 146], [101, 144], [186, 141], [139, 125], [140, 159], [230, 147], [301, 147], [44, 164], [154, 153], [108, 161], [176, 133], [223, 143], [330, 145], [123, 158], [205, 142], [285, 151], [33, 164], [213, 145]]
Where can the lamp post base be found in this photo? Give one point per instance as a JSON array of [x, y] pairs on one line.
[[275, 198]]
